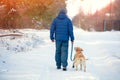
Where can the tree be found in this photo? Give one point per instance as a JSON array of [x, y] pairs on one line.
[[28, 14], [116, 9], [9, 15], [109, 14]]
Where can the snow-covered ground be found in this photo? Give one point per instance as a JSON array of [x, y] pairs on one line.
[[31, 57]]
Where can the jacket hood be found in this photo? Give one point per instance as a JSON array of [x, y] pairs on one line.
[[62, 11], [62, 14]]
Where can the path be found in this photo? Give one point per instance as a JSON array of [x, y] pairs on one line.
[[38, 64]]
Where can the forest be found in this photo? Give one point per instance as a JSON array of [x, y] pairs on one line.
[[28, 14], [105, 19], [38, 14]]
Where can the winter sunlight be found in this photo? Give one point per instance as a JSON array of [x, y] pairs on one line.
[[88, 6], [29, 50]]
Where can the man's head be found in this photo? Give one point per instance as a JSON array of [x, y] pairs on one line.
[[63, 11]]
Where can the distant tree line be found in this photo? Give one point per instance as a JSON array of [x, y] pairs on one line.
[[107, 18], [16, 14]]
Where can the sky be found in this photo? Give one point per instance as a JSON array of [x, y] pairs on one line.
[[88, 6], [31, 57]]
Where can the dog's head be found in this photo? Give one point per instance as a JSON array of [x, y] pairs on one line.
[[78, 49]]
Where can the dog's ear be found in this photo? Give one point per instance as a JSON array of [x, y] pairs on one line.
[[76, 48], [81, 49]]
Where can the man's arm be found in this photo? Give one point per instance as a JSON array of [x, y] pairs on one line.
[[71, 34], [52, 30]]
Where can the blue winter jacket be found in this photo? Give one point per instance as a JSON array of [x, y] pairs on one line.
[[61, 28]]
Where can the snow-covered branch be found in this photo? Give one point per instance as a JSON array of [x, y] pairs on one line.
[[12, 34]]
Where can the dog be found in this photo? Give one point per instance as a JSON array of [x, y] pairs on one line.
[[79, 59]]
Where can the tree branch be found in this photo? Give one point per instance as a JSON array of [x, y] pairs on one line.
[[12, 34]]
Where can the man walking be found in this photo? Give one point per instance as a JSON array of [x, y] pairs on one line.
[[60, 31]]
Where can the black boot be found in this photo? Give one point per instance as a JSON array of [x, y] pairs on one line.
[[64, 69]]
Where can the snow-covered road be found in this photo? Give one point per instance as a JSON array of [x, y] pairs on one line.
[[37, 63]]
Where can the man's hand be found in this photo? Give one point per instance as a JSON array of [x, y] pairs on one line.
[[53, 40]]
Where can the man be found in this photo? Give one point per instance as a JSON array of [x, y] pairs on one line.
[[60, 31]]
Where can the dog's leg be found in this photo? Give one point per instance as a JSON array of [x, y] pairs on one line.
[[80, 65], [84, 64], [76, 67]]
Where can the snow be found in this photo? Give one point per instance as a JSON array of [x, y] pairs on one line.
[[31, 57], [12, 10]]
